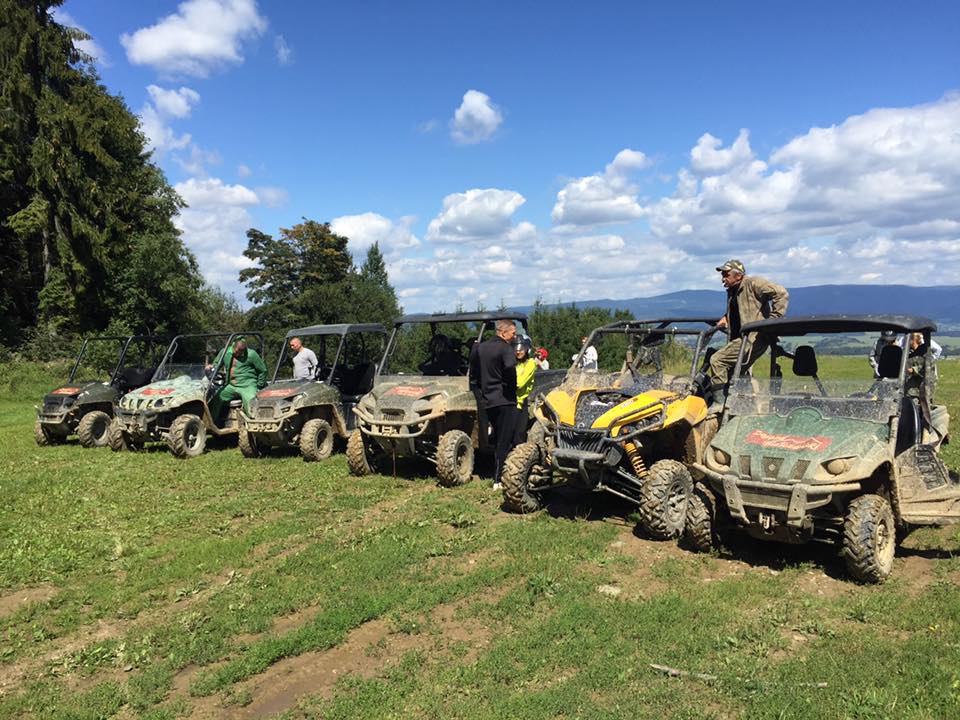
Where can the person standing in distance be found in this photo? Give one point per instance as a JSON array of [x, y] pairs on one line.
[[304, 360], [493, 376], [590, 359], [749, 298]]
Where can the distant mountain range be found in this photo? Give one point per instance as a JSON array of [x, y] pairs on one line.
[[941, 303]]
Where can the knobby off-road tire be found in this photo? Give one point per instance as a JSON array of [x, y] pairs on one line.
[[118, 439], [454, 458], [248, 443], [537, 434], [869, 538], [357, 460], [188, 436], [664, 497], [94, 429], [702, 529], [316, 440], [43, 436], [515, 478]]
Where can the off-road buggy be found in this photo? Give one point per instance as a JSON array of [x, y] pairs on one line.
[[310, 413], [175, 406], [85, 407], [850, 461], [421, 404], [626, 432]]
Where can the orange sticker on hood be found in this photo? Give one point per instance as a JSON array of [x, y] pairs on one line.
[[406, 391], [157, 391], [65, 391], [788, 442], [277, 392]]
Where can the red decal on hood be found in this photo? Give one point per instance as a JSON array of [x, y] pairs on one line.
[[65, 391], [157, 391], [277, 392], [406, 391], [788, 442]]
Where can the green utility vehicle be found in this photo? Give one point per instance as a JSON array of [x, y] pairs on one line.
[[175, 406], [309, 412], [800, 457], [85, 407], [421, 404]]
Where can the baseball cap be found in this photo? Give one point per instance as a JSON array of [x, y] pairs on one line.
[[734, 265]]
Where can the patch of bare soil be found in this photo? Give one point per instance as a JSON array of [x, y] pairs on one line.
[[11, 602], [368, 651]]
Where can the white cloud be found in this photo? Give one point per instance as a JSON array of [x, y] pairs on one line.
[[160, 136], [272, 196], [173, 103], [878, 186], [201, 36], [243, 171], [213, 192], [707, 158], [283, 50], [476, 120], [604, 198], [475, 215], [197, 160], [368, 228], [88, 46]]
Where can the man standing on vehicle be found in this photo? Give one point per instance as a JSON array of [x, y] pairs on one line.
[[493, 376], [245, 374], [749, 298], [304, 360]]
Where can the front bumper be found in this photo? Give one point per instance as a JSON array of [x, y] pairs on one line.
[[747, 498], [395, 429], [139, 423]]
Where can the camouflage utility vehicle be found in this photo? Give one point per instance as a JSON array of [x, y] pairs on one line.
[[421, 404], [626, 428], [85, 407], [175, 406], [308, 413], [853, 461]]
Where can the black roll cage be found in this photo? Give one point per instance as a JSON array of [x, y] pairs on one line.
[[318, 331], [231, 336], [127, 340]]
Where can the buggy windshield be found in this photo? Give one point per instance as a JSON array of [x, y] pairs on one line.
[[436, 348], [192, 356]]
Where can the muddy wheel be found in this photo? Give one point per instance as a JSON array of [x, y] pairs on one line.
[[93, 429], [43, 436], [357, 460], [248, 443], [869, 538], [119, 439], [454, 458], [664, 497], [701, 532], [316, 440], [523, 461], [188, 436], [537, 434]]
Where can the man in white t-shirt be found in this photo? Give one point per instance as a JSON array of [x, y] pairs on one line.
[[304, 360], [590, 358]]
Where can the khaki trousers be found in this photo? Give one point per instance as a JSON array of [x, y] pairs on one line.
[[725, 359]]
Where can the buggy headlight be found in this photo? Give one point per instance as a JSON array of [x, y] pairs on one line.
[[838, 466], [721, 458]]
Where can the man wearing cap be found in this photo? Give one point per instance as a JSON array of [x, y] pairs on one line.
[[749, 298]]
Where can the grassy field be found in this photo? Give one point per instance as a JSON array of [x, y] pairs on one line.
[[137, 585]]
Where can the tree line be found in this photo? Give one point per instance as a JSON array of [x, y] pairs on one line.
[[88, 242]]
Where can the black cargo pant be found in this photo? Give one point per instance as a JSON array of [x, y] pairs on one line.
[[503, 419]]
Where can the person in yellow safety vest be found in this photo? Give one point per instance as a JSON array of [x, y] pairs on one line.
[[526, 368]]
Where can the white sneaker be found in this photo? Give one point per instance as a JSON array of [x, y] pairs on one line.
[[498, 486]]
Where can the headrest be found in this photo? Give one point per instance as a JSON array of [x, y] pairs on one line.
[[888, 364], [805, 361]]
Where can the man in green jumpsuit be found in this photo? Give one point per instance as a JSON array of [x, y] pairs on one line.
[[245, 373]]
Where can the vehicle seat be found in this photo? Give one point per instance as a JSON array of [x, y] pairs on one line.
[[805, 365], [910, 425], [888, 364], [133, 378]]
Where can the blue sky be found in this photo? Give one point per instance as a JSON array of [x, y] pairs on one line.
[[601, 150]]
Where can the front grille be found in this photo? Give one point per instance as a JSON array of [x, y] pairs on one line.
[[579, 439], [391, 414], [800, 468], [265, 413], [51, 407], [771, 467]]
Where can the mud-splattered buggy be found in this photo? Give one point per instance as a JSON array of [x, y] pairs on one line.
[[86, 407], [175, 407], [853, 462], [421, 405], [626, 430], [309, 413]]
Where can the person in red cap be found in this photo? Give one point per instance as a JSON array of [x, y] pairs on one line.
[[540, 356], [749, 298]]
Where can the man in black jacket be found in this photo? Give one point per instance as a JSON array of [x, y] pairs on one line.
[[493, 376]]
